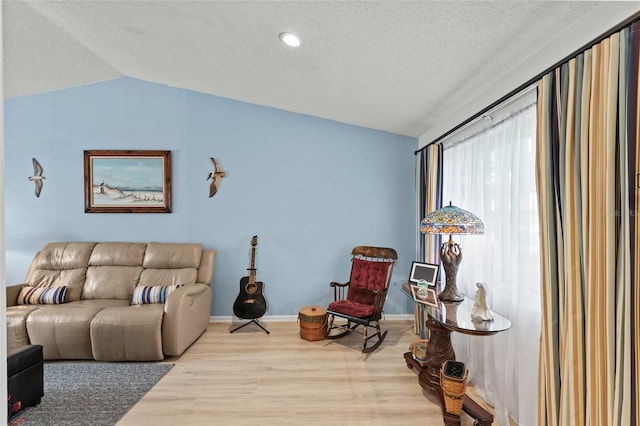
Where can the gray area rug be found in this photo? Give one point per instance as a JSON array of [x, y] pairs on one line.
[[90, 393]]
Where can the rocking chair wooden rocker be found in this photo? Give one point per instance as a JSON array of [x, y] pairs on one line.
[[360, 300]]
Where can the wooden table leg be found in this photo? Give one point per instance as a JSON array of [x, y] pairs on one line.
[[439, 350]]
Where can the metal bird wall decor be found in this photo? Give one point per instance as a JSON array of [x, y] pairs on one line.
[[37, 177], [216, 174]]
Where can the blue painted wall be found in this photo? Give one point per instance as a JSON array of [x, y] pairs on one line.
[[310, 188]]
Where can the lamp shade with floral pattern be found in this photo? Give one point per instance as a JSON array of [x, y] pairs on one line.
[[451, 220]]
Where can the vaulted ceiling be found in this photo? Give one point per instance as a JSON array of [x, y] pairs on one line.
[[390, 65]]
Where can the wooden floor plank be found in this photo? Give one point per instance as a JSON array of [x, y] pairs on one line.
[[250, 377]]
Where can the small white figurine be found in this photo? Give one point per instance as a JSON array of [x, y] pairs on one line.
[[480, 310]]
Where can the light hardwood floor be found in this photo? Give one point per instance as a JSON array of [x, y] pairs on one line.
[[249, 378]]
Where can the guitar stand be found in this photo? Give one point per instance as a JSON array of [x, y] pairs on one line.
[[247, 323]]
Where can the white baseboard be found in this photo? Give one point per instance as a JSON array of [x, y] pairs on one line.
[[294, 318]]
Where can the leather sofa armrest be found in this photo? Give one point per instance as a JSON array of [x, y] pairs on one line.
[[186, 315], [12, 294]]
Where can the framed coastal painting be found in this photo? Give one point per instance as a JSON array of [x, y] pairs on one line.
[[127, 181]]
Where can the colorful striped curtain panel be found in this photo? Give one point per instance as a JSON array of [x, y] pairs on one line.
[[429, 199], [588, 160], [429, 176]]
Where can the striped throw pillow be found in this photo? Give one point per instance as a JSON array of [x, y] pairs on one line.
[[42, 295], [155, 294]]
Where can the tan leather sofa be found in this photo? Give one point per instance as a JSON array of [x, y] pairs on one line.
[[97, 320]]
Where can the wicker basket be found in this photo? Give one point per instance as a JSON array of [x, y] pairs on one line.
[[313, 323], [453, 380]]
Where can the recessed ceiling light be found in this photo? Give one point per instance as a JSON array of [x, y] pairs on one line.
[[290, 39]]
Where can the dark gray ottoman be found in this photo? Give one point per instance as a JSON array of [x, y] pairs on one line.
[[25, 381]]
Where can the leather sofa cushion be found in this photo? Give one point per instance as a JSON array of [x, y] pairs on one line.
[[117, 254], [128, 333], [172, 255], [61, 264], [64, 256], [63, 330], [155, 277], [111, 282], [114, 270], [17, 325], [171, 264], [73, 279]]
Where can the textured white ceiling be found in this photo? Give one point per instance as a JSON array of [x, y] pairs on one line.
[[389, 65]]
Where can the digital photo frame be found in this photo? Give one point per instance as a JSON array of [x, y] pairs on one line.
[[424, 272]]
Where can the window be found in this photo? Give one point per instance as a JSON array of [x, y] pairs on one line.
[[490, 171]]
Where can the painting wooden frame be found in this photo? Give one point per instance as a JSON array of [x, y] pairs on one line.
[[424, 271], [126, 181]]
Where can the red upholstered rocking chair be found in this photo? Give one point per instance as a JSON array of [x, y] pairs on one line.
[[360, 300]]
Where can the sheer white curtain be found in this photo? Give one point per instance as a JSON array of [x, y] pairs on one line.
[[491, 173]]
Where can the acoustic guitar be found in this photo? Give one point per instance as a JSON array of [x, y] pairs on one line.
[[250, 303]]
